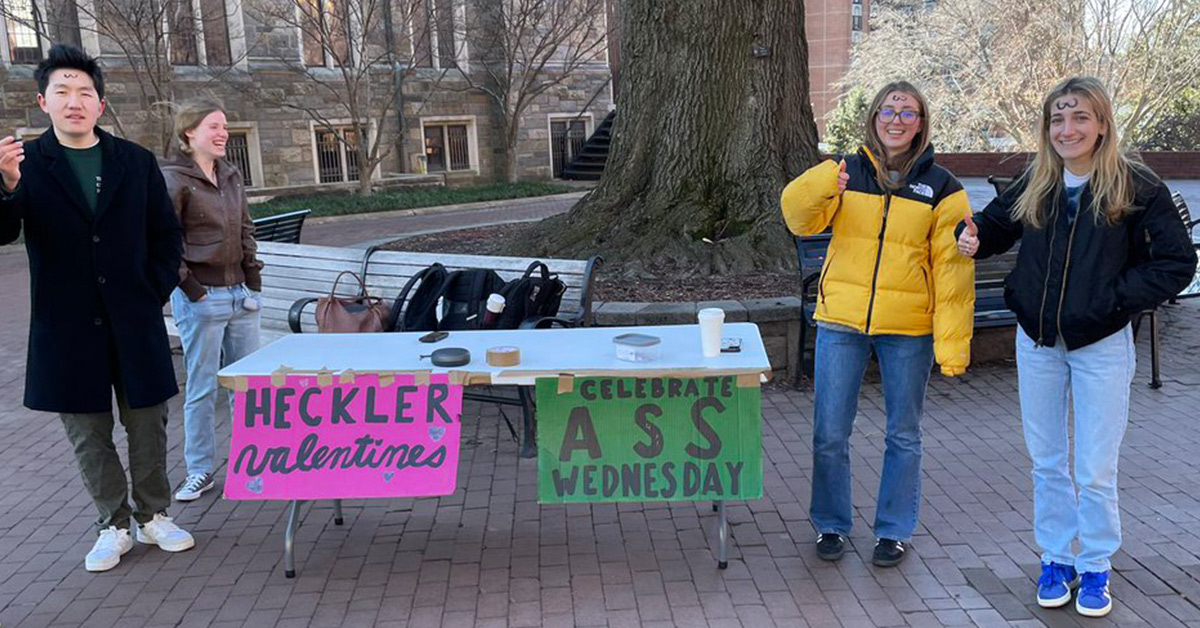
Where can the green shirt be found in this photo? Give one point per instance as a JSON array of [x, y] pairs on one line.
[[86, 163]]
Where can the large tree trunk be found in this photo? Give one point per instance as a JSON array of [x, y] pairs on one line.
[[713, 119]]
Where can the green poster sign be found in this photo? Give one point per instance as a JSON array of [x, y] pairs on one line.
[[660, 439]]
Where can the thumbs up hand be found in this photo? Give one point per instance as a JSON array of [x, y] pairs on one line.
[[968, 240], [843, 178]]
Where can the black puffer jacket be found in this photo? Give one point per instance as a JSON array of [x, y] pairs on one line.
[[1083, 281]]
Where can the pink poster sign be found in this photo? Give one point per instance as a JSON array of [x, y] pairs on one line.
[[294, 438]]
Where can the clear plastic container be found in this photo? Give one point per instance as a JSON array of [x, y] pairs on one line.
[[638, 347]]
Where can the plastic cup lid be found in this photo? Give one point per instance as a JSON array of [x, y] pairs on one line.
[[637, 340]]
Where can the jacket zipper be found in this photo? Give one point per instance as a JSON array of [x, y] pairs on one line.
[[1045, 291], [821, 281], [887, 203], [928, 290], [1062, 291]]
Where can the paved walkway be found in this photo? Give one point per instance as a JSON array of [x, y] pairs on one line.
[[489, 555], [369, 229]]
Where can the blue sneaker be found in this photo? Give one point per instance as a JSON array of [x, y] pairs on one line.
[[1093, 599], [1054, 587]]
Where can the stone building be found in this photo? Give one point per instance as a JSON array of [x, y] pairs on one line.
[[279, 80]]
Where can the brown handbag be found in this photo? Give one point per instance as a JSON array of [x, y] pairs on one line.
[[358, 314]]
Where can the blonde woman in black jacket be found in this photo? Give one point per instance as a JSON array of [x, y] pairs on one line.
[[1100, 242]]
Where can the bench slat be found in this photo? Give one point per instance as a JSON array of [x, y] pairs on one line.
[[421, 260], [281, 227], [310, 251]]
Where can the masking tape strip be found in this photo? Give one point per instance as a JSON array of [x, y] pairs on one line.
[[479, 379], [347, 376], [566, 383], [665, 373], [279, 377], [386, 378], [420, 378], [748, 380], [324, 378], [458, 378], [237, 384]]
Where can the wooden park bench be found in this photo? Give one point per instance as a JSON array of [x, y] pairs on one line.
[[1000, 184], [295, 275], [1191, 291], [990, 309], [281, 227]]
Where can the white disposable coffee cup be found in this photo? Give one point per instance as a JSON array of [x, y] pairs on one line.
[[711, 320]]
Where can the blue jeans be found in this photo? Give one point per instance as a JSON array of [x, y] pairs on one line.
[[905, 363], [215, 331], [1097, 377]]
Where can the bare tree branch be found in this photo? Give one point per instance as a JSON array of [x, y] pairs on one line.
[[986, 64]]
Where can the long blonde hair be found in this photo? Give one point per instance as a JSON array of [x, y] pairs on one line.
[[1111, 178], [188, 115], [905, 161]]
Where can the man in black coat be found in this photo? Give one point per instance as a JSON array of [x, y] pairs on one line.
[[104, 252]]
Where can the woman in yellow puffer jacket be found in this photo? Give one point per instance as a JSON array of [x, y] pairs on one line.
[[892, 282]]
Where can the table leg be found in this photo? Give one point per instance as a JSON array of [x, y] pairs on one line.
[[289, 541], [337, 512], [722, 536], [529, 447]]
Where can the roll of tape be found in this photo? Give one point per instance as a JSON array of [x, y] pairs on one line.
[[504, 356]]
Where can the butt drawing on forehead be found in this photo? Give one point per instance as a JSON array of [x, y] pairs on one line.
[[1066, 104], [899, 97]]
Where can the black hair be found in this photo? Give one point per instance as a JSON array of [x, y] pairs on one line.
[[64, 56]]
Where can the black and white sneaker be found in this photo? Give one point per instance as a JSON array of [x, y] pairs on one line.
[[194, 486], [830, 546], [888, 553]]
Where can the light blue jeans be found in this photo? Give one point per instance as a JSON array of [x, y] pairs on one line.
[[215, 331], [1098, 378], [905, 363]]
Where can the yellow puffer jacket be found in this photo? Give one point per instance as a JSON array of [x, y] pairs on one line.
[[892, 266]]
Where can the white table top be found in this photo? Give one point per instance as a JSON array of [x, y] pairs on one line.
[[544, 352]]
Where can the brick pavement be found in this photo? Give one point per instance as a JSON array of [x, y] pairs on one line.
[[488, 555]]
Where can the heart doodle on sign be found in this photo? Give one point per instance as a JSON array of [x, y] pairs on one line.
[[255, 485], [388, 475], [436, 433]]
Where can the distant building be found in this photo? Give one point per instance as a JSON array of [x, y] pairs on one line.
[[455, 130]]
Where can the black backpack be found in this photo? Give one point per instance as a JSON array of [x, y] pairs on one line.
[[421, 314], [465, 295], [531, 296]]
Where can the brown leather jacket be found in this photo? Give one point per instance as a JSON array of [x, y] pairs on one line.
[[218, 235]]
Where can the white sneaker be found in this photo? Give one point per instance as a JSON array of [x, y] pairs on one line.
[[163, 532], [108, 549], [194, 486]]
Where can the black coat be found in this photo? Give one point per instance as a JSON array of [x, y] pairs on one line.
[[1085, 281], [98, 282]]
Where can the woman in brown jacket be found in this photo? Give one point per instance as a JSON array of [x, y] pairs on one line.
[[216, 304]]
